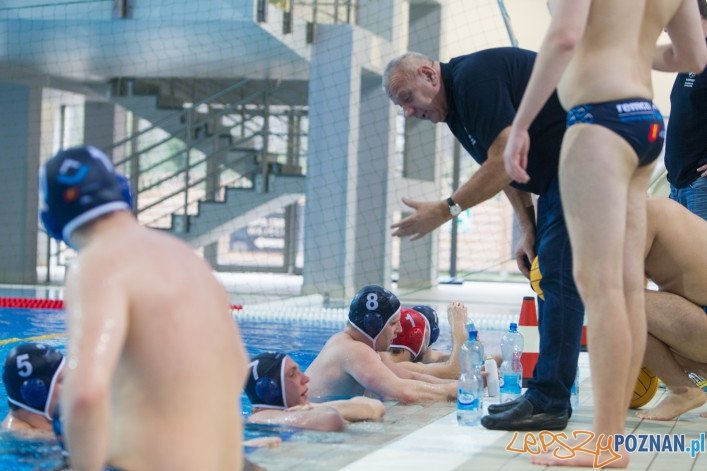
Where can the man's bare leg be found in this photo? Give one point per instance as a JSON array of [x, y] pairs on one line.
[[596, 168], [634, 274], [676, 343], [683, 395]]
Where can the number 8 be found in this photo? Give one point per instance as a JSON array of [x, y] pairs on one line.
[[372, 301]]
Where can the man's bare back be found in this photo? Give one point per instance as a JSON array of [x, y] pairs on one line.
[[677, 260], [155, 363], [182, 364], [328, 376]]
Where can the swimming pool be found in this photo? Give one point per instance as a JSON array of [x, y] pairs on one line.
[[301, 332]]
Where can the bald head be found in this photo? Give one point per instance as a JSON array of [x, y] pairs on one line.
[[413, 81], [403, 66]]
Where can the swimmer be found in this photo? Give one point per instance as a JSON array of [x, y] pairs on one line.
[[154, 359], [412, 345], [277, 389], [349, 364], [599, 53], [676, 262], [32, 375]]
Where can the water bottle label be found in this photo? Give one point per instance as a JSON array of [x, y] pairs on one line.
[[467, 401], [510, 384]]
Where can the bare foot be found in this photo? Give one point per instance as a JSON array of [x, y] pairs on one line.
[[678, 401], [587, 453]]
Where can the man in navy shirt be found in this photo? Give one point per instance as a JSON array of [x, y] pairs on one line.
[[477, 96], [686, 139]]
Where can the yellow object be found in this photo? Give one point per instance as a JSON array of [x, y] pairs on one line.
[[535, 277], [646, 387], [36, 338]]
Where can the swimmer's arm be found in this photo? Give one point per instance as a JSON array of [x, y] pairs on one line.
[[410, 370], [322, 418], [97, 317], [366, 368], [435, 356], [688, 52], [357, 408]]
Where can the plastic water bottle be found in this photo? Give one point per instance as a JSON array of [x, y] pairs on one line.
[[474, 345], [574, 392], [471, 385], [511, 371]]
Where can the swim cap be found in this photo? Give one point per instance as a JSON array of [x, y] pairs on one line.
[[79, 185], [412, 338], [266, 377], [431, 316], [371, 309], [29, 374]]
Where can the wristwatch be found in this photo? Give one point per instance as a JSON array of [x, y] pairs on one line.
[[454, 208]]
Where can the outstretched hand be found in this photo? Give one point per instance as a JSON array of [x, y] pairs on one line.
[[515, 155], [428, 216]]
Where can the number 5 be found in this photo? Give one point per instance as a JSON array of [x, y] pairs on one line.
[[24, 367]]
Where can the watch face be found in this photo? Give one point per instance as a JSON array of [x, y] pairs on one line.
[[455, 210]]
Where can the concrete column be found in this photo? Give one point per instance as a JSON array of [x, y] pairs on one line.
[[422, 155], [20, 131], [349, 165], [104, 124]]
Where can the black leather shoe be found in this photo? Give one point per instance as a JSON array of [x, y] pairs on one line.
[[504, 406], [523, 417]]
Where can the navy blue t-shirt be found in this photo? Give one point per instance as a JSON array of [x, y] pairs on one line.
[[686, 139], [484, 90]]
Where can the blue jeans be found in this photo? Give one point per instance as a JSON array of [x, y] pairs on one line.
[[693, 196], [561, 314]]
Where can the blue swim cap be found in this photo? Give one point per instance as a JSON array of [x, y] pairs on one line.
[[266, 379], [432, 318], [371, 309], [29, 375], [79, 185]]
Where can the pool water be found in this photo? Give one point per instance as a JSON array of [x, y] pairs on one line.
[[302, 339]]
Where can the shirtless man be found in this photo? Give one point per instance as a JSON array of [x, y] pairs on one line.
[[349, 364], [676, 261], [154, 361], [409, 348], [32, 375], [602, 51], [277, 390]]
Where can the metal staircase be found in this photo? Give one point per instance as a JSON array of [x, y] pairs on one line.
[[209, 167]]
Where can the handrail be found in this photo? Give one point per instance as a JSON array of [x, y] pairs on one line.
[[158, 123]]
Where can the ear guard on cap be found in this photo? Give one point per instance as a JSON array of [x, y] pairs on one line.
[[371, 308], [265, 386], [372, 323], [267, 390], [34, 393]]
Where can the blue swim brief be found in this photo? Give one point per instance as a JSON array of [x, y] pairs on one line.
[[637, 120]]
